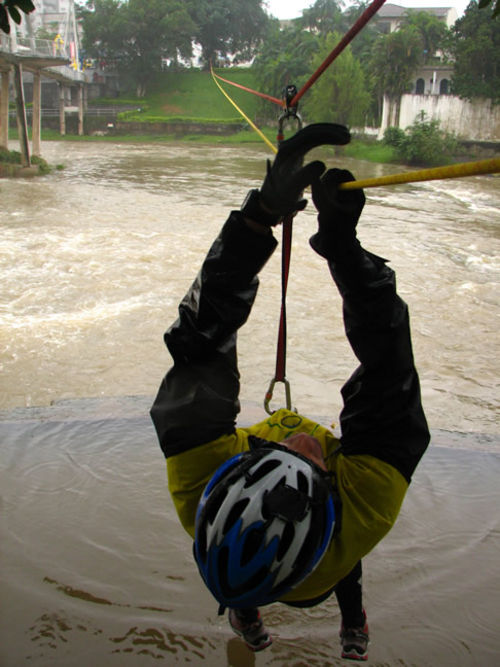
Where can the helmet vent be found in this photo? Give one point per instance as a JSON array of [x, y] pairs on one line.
[[253, 544], [302, 483], [286, 540], [252, 477], [235, 514], [218, 496]]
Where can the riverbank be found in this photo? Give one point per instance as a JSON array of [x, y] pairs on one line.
[[11, 167], [369, 150]]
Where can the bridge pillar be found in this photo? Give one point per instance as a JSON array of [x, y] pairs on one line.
[[62, 115], [4, 108], [80, 110], [21, 116], [36, 116]]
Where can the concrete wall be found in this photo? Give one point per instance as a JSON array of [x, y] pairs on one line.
[[478, 120]]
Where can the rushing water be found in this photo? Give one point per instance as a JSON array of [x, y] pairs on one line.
[[95, 258], [95, 569]]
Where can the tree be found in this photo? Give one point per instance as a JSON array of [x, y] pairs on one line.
[[284, 58], [495, 5], [395, 58], [228, 27], [103, 23], [432, 31], [475, 46], [323, 17], [340, 94], [136, 36], [10, 9]]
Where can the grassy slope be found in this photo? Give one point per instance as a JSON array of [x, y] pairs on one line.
[[192, 94]]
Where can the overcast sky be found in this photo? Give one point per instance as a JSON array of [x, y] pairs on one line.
[[289, 9]]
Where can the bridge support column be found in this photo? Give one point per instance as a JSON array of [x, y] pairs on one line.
[[21, 117], [80, 110], [62, 104], [37, 115], [4, 108]]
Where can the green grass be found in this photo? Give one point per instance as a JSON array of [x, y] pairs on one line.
[[190, 95], [373, 151]]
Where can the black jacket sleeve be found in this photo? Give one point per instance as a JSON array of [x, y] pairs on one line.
[[382, 413], [198, 398]]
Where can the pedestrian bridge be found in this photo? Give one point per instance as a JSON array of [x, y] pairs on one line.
[[46, 58], [51, 56]]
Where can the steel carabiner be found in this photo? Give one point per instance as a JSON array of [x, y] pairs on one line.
[[269, 395]]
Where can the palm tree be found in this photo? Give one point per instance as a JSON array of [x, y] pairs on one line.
[[395, 58]]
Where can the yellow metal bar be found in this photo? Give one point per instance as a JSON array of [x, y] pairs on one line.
[[491, 166], [252, 124]]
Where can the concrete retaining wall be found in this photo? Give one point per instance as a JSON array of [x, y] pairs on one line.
[[473, 121]]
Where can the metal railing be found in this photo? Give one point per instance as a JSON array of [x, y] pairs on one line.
[[32, 46]]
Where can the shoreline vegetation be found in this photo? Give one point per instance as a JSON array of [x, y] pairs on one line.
[[187, 107]]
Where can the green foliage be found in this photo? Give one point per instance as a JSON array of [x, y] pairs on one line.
[[43, 165], [10, 161], [136, 36], [10, 9], [432, 31], [285, 58], [394, 136], [228, 27], [323, 17], [10, 157], [476, 50], [495, 5], [340, 95], [395, 58], [424, 143]]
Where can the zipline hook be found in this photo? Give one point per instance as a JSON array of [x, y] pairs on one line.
[[290, 111], [269, 395]]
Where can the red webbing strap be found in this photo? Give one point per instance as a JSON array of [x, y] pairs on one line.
[[285, 268], [348, 37], [280, 372]]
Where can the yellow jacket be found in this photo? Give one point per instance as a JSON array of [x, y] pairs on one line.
[[371, 492]]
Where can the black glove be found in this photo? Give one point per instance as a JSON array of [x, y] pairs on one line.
[[339, 212], [287, 177]]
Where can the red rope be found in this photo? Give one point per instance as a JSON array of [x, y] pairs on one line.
[[285, 266], [249, 90], [348, 37]]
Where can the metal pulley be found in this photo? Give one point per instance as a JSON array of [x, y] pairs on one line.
[[289, 112]]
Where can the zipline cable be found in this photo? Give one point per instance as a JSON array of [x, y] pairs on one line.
[[348, 37]]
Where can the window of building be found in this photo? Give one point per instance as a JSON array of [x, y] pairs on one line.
[[444, 87], [420, 87]]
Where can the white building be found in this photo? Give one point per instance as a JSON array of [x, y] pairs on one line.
[[389, 16]]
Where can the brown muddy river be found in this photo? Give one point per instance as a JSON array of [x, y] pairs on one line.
[[93, 261]]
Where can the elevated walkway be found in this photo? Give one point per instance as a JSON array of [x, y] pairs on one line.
[[41, 57]]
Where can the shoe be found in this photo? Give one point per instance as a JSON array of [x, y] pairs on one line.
[[355, 642], [248, 624]]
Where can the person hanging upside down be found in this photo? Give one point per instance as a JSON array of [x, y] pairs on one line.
[[283, 511]]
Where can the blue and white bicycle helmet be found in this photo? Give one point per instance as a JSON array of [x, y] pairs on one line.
[[263, 524]]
